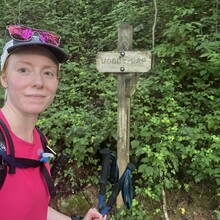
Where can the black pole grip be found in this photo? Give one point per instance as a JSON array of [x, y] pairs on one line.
[[106, 155], [58, 164], [112, 199], [131, 166]]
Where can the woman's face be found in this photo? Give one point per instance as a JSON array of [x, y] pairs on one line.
[[31, 80]]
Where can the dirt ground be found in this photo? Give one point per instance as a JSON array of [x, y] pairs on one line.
[[200, 203]]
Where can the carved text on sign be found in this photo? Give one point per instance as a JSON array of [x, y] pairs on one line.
[[131, 61]]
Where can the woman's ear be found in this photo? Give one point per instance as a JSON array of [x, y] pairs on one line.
[[3, 78]]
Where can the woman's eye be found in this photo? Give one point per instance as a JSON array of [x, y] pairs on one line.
[[49, 73], [23, 70]]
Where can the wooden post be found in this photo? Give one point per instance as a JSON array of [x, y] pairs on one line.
[[125, 38], [127, 65]]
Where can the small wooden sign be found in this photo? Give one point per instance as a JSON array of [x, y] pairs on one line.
[[124, 62]]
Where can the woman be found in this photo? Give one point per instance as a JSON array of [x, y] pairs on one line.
[[30, 65]]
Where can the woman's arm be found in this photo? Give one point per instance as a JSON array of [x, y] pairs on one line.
[[92, 214], [55, 215]]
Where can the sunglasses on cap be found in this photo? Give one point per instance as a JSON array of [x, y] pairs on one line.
[[23, 33]]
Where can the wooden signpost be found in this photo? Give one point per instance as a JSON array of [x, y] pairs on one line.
[[127, 64]]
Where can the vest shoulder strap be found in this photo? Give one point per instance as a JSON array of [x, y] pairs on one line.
[[44, 142], [3, 167], [7, 135]]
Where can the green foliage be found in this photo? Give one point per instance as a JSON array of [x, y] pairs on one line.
[[180, 105], [137, 212]]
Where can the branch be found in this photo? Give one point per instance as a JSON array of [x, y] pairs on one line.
[[165, 205], [153, 31]]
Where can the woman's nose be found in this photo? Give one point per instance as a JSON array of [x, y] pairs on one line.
[[38, 80]]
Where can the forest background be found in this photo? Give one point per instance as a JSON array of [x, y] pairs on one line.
[[175, 110]]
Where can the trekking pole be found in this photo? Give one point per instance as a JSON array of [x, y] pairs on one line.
[[106, 155], [116, 190]]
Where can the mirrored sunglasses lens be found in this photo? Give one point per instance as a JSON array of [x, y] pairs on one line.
[[20, 32], [49, 37]]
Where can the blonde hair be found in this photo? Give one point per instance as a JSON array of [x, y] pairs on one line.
[[3, 72], [5, 65]]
